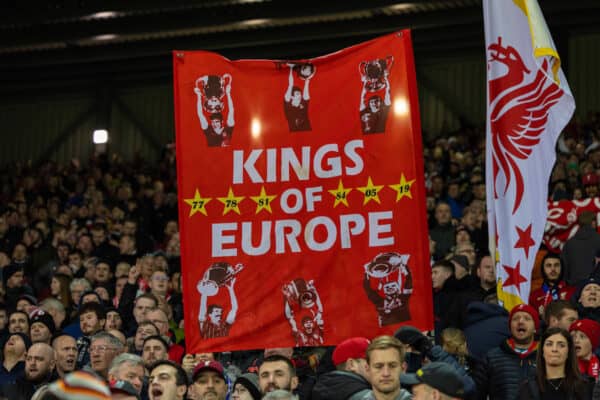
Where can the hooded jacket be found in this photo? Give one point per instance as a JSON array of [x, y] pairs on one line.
[[486, 326], [340, 385]]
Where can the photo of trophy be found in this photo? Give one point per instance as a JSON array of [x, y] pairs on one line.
[[217, 275], [213, 90], [304, 70], [373, 72]]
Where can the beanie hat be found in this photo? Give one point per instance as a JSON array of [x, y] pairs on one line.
[[80, 385], [250, 382], [45, 319], [408, 335], [590, 328], [32, 300], [355, 347], [527, 309], [10, 270]]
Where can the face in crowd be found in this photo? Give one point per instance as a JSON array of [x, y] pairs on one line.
[[274, 375]]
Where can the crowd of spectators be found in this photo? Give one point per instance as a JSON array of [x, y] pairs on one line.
[[92, 302]]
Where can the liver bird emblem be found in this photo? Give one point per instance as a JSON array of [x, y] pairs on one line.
[[519, 110]]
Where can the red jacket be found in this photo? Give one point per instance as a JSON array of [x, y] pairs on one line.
[[540, 298]]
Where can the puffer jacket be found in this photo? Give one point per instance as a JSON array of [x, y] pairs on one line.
[[502, 371], [340, 385]]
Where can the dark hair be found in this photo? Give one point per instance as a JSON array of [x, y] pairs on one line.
[[159, 338], [556, 309], [149, 296], [180, 375], [96, 308], [277, 358], [553, 256], [65, 290], [211, 307], [447, 265], [573, 380]]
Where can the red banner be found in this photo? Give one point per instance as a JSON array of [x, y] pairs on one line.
[[301, 197]]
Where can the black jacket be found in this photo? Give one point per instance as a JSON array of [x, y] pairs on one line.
[[501, 372], [339, 385]]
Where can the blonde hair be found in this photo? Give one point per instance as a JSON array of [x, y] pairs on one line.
[[454, 342], [384, 343]]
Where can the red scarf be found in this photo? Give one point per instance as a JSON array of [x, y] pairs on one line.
[[590, 367]]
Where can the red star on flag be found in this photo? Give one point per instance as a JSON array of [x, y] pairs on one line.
[[514, 276], [525, 240]]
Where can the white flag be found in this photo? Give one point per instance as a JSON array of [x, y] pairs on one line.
[[528, 104]]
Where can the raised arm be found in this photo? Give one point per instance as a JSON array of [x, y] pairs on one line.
[[234, 304], [230, 119], [201, 117], [305, 94], [363, 95], [388, 98], [288, 92]]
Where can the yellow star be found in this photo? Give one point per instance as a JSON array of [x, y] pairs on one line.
[[198, 204], [263, 201], [340, 194], [403, 188], [231, 202], [370, 191]]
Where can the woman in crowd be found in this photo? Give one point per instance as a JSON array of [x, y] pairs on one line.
[[557, 375], [59, 289], [586, 336]]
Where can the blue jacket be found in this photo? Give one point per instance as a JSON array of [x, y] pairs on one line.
[[486, 326]]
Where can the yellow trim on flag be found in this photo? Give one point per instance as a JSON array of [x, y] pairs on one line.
[[541, 40], [505, 299]]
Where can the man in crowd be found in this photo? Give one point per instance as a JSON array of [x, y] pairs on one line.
[[92, 318], [443, 231], [506, 366], [560, 314], [103, 349], [578, 254], [18, 321], [168, 381], [350, 380], [154, 349], [209, 380], [65, 348], [554, 287], [129, 368], [42, 327], [277, 372], [436, 380], [159, 318], [39, 365], [385, 355]]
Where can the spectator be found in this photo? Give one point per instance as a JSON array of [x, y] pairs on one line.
[[154, 349], [14, 284], [444, 294], [586, 337], [435, 380], [350, 380], [128, 368], [144, 330], [39, 365], [18, 322], [556, 373], [159, 318], [65, 348], [588, 300], [553, 287], [56, 310], [578, 254], [246, 388], [443, 231], [92, 318], [14, 353], [168, 381], [59, 289], [385, 356], [277, 372], [560, 314], [113, 320], [42, 328], [209, 380], [104, 347], [504, 367]]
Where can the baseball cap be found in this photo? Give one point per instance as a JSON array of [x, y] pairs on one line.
[[123, 387], [438, 375], [209, 366], [355, 347]]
